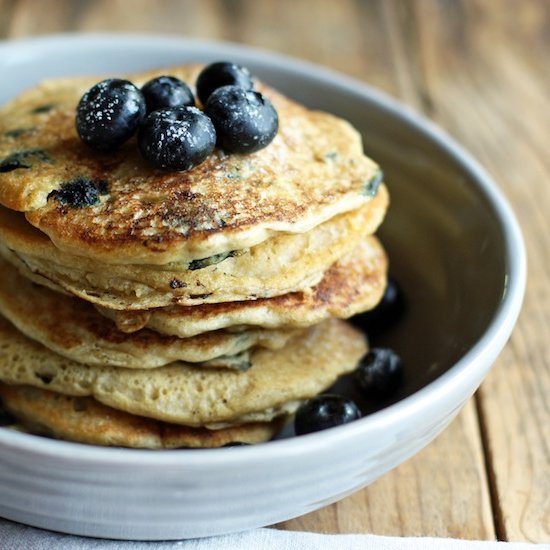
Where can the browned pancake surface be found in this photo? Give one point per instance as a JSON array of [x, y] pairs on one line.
[[75, 329], [352, 285], [84, 420], [180, 393], [313, 170], [286, 263]]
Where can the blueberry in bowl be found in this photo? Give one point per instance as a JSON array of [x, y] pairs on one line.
[[323, 412]]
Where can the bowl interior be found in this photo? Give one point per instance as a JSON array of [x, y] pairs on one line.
[[444, 240], [446, 248]]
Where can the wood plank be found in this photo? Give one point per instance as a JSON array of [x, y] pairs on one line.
[[347, 35], [487, 69], [440, 492], [191, 18], [30, 18], [6, 11]]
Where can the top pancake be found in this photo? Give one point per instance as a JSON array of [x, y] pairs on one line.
[[313, 170]]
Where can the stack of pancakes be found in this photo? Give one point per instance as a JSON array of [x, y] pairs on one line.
[[179, 309]]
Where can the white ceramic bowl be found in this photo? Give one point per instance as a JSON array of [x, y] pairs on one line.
[[454, 245]]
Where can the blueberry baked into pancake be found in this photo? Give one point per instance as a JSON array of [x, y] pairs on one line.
[[179, 250]]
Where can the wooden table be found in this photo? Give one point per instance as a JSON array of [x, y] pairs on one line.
[[481, 70]]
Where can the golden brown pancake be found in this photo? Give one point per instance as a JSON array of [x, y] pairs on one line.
[[84, 420], [352, 285], [314, 170], [179, 393], [280, 265], [75, 329]]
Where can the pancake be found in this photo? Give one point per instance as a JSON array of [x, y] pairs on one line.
[[182, 394], [313, 170], [280, 265], [75, 329], [352, 285], [84, 420]]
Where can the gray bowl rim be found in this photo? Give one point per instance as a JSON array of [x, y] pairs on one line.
[[458, 377]]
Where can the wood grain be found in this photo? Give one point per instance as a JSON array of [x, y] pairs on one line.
[[498, 107], [481, 70], [30, 17]]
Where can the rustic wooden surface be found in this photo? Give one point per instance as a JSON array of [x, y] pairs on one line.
[[480, 69]]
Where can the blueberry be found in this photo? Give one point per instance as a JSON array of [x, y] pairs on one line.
[[325, 411], [43, 108], [380, 373], [23, 159], [176, 139], [167, 92], [109, 113], [245, 121], [80, 192], [220, 74], [389, 310]]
